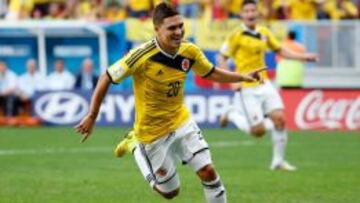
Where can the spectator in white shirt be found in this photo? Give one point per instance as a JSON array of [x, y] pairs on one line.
[[28, 84], [60, 79], [8, 88], [31, 81]]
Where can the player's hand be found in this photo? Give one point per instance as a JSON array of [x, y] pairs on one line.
[[311, 57], [236, 87], [85, 127], [254, 76]]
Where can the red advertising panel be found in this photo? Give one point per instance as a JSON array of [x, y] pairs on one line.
[[322, 109]]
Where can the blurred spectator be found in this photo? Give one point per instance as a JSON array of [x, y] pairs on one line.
[[233, 7], [280, 9], [189, 8], [265, 9], [321, 11], [96, 10], [341, 9], [303, 9], [36, 14], [60, 79], [8, 88], [74, 9], [20, 9], [290, 73], [81, 9], [115, 11], [3, 8], [55, 11], [87, 79], [217, 8], [138, 8], [29, 83]]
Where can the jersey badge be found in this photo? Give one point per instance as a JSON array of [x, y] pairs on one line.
[[185, 64]]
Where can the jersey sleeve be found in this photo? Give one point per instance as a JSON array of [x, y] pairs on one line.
[[124, 67], [228, 48], [202, 66], [273, 43]]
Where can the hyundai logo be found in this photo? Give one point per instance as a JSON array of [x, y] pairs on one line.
[[61, 107]]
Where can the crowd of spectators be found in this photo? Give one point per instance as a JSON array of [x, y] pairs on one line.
[[114, 10], [17, 91]]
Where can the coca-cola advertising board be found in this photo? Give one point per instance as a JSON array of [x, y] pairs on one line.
[[322, 109]]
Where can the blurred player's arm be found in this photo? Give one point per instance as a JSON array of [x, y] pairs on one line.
[[289, 54], [225, 76], [87, 123]]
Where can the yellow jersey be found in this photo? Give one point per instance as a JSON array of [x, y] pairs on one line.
[[303, 9], [140, 5], [344, 10], [159, 86], [234, 6], [247, 48]]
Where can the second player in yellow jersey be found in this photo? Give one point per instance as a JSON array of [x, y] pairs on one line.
[[247, 47], [257, 105]]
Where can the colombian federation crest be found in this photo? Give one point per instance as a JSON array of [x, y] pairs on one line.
[[264, 38], [185, 64]]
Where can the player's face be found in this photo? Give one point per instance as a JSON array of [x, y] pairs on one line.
[[170, 33], [249, 15]]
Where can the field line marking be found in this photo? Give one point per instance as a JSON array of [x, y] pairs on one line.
[[63, 150]]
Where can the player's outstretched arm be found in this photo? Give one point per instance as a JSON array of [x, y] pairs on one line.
[[87, 123], [225, 76], [288, 53]]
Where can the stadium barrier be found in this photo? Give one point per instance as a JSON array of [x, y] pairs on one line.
[[305, 109]]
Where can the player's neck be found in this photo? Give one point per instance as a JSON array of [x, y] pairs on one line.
[[167, 50], [250, 27]]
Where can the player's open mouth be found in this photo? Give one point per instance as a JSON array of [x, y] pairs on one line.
[[251, 19], [177, 39]]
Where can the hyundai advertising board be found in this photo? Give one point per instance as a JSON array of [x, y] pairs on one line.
[[305, 109]]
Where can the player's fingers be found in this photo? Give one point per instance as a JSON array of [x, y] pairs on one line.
[[260, 69], [250, 78], [261, 81], [86, 135], [78, 128]]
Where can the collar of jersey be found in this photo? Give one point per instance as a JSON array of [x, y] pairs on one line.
[[247, 29], [163, 52]]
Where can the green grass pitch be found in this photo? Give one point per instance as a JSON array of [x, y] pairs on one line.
[[47, 165]]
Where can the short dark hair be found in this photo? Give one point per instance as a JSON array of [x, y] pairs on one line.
[[162, 11], [59, 60], [292, 35], [246, 2]]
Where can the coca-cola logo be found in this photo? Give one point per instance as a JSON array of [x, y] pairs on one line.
[[315, 111]]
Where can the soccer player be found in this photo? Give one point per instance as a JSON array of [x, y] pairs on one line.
[[163, 125], [247, 46]]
